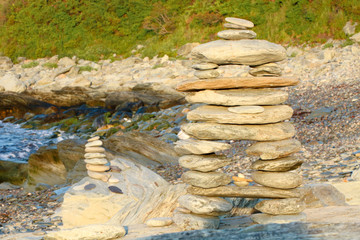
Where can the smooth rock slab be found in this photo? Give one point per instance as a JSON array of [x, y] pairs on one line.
[[159, 222], [192, 146], [274, 150], [89, 232], [232, 34], [246, 52], [97, 168], [94, 155], [96, 143], [240, 22], [281, 206], [195, 222], [99, 175], [269, 69], [237, 82], [262, 218], [246, 109], [205, 66], [213, 206], [93, 139], [214, 131], [233, 26], [281, 180], [277, 165], [99, 161], [238, 97], [205, 180], [218, 114], [94, 150], [204, 163], [244, 192], [203, 74]]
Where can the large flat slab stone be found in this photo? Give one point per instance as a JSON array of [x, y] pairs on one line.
[[281, 180], [204, 163], [213, 131], [218, 114], [205, 180], [239, 97], [274, 150], [246, 52], [244, 192], [192, 146], [277, 165], [234, 34], [237, 82]]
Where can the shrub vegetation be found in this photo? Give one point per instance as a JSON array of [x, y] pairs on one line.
[[95, 29]]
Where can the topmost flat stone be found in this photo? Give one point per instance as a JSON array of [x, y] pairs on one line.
[[240, 22], [247, 52]]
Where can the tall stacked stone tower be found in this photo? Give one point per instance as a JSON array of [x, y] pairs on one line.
[[239, 108]]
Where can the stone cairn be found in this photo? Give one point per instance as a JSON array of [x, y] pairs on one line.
[[96, 163], [238, 108]]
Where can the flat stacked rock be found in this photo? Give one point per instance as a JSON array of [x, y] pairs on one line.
[[241, 108]]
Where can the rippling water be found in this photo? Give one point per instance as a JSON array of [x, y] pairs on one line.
[[16, 143]]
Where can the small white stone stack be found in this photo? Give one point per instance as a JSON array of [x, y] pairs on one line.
[[239, 108], [96, 163]]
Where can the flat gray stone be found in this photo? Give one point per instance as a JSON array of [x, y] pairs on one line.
[[94, 155], [203, 74], [233, 26], [246, 109], [266, 70], [192, 146], [245, 52], [213, 206], [205, 66], [205, 180], [214, 131], [204, 163], [262, 218], [94, 150], [274, 150], [238, 97], [244, 192], [281, 180], [232, 34], [281, 206], [240, 22], [277, 165], [195, 222], [218, 114]]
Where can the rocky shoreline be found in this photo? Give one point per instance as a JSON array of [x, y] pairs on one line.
[[326, 117]]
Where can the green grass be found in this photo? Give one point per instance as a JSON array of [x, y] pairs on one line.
[[50, 65], [347, 42], [96, 30], [30, 64], [328, 45], [86, 69]]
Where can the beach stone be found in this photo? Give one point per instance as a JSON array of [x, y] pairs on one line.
[[203, 163], [94, 155], [214, 131], [96, 161], [94, 150], [213, 206], [90, 232], [99, 175], [244, 192], [89, 186], [263, 218], [159, 222], [318, 195], [245, 52], [269, 69], [195, 222], [96, 143], [12, 83], [241, 183], [281, 206], [218, 114], [115, 189], [274, 150], [206, 74], [97, 168], [240, 22], [233, 26], [205, 66], [205, 180], [246, 109], [232, 34], [277, 165], [238, 97], [192, 146], [281, 180], [113, 179], [183, 136], [236, 82], [94, 139]]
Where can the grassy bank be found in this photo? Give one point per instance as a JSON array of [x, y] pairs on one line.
[[97, 29]]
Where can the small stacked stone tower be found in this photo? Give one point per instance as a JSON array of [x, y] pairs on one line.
[[239, 108]]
